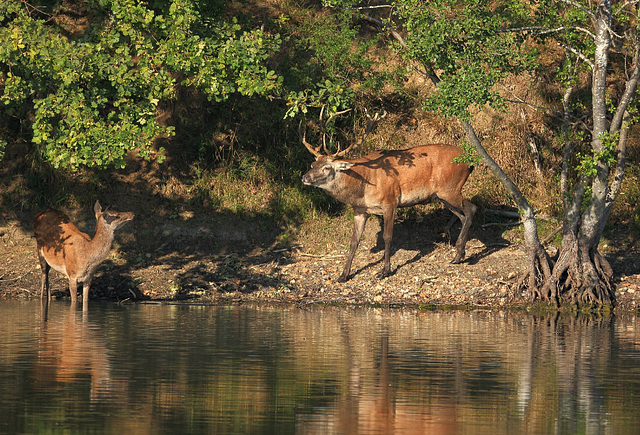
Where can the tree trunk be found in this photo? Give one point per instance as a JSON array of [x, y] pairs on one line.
[[539, 269], [581, 274]]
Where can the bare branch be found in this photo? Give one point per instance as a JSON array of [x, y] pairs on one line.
[[552, 112], [568, 148], [618, 176], [584, 58], [630, 89], [536, 30], [428, 72], [364, 8], [582, 8], [625, 4]]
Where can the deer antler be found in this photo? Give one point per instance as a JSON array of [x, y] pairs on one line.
[[323, 128], [371, 123], [303, 138]]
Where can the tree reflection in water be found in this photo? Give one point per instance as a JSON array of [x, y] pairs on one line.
[[239, 369]]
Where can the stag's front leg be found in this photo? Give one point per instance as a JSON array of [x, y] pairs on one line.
[[359, 222], [389, 216]]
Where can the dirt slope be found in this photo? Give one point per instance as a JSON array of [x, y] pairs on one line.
[[225, 259]]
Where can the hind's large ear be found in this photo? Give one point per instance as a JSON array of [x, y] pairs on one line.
[[97, 208]]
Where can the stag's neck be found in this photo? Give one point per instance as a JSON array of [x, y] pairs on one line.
[[346, 188]]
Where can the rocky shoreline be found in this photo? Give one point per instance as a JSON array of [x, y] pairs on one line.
[[420, 277]]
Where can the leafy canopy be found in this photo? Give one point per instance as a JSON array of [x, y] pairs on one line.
[[460, 45], [93, 96]]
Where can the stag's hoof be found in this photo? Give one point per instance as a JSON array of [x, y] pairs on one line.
[[343, 278], [383, 275], [457, 261]]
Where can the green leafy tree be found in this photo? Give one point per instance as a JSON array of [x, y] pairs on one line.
[[601, 41], [466, 47], [337, 68], [90, 94]]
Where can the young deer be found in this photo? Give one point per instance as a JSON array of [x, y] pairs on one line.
[[66, 249]]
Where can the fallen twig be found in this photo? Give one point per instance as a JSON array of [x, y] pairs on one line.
[[507, 224], [320, 301], [552, 235], [328, 257]]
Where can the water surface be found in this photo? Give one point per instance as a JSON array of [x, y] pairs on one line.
[[265, 369]]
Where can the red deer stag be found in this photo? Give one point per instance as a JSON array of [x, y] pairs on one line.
[[63, 247], [382, 181]]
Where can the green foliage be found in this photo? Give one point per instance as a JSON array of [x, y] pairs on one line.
[[588, 164], [94, 97], [337, 66], [463, 43], [333, 96], [469, 155]]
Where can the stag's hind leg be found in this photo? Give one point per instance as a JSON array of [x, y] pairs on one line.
[[389, 216], [465, 213]]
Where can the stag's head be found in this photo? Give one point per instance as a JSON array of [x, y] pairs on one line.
[[324, 170], [327, 164]]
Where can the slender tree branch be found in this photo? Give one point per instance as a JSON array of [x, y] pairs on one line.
[[625, 4], [553, 112], [618, 176], [428, 71], [621, 151], [568, 148], [545, 30], [575, 51], [582, 8], [364, 8], [629, 92]]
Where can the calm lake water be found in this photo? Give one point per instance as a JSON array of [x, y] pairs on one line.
[[263, 369]]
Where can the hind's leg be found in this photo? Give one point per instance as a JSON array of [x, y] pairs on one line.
[[85, 294], [44, 279]]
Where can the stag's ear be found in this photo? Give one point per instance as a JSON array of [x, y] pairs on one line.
[[340, 165], [97, 208]]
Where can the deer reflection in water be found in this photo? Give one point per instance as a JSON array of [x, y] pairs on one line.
[[72, 348]]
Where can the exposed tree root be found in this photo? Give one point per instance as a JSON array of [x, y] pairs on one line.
[[580, 276], [538, 273]]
